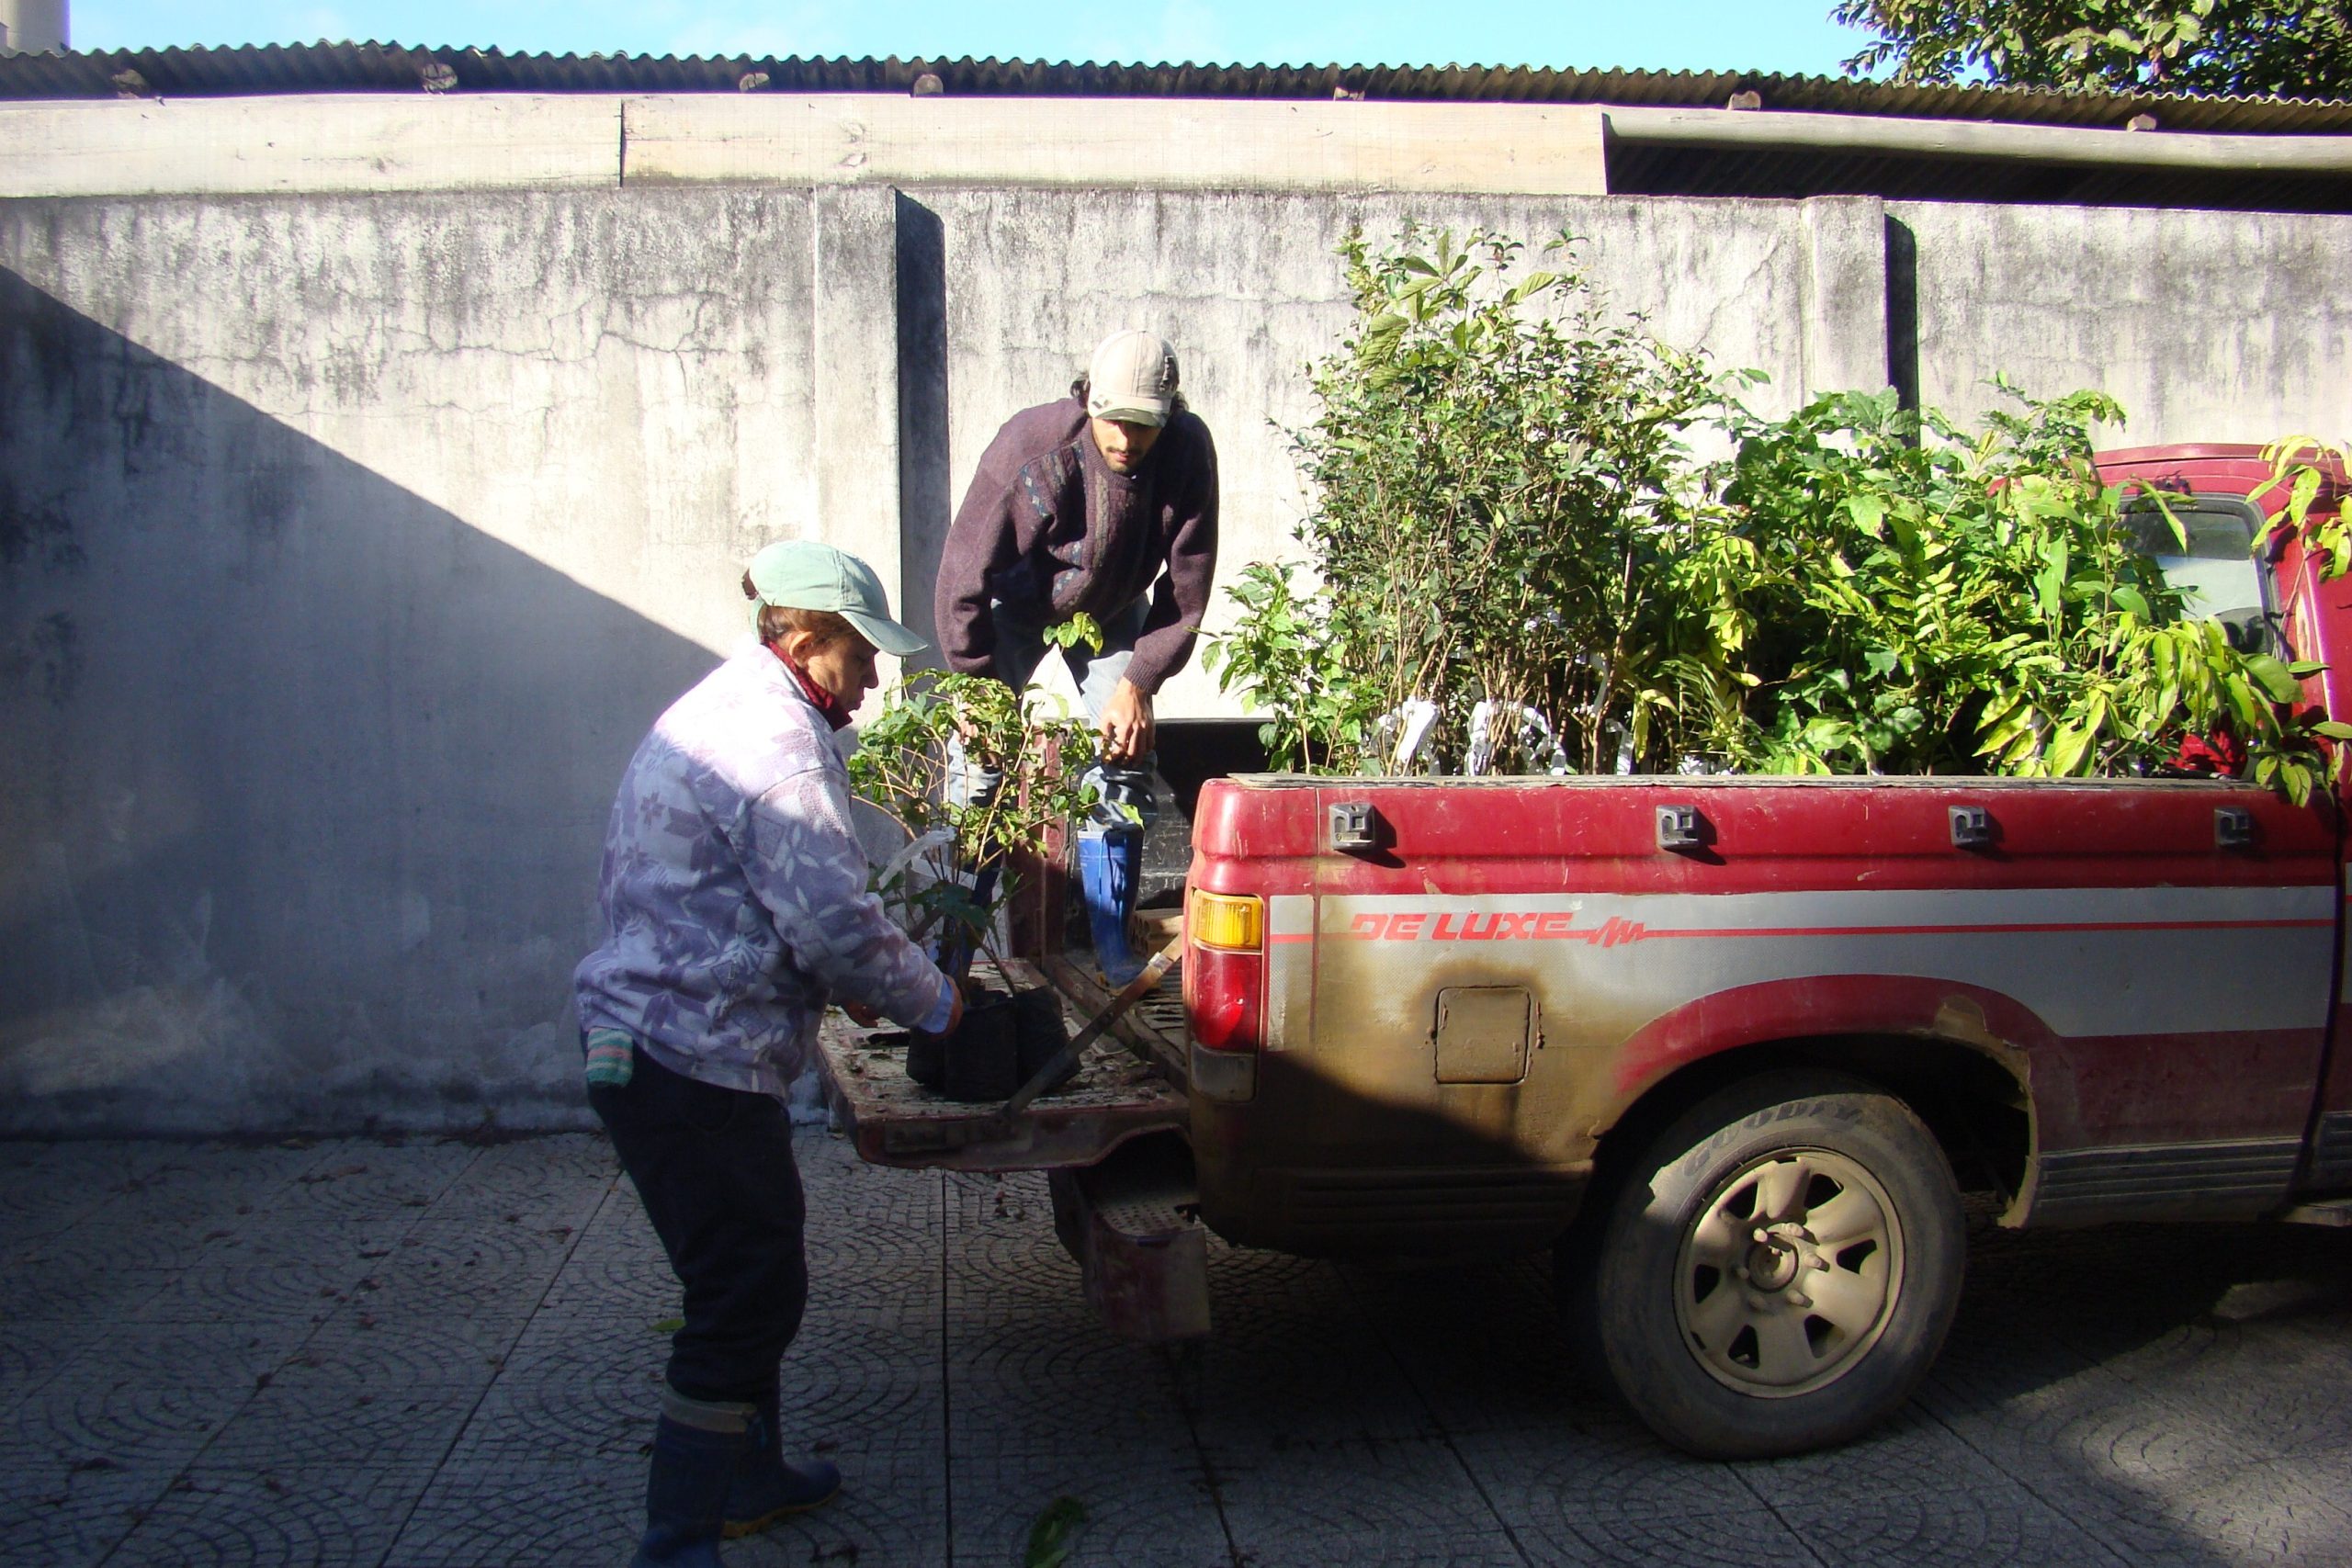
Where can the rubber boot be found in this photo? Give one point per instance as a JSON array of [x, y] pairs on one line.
[[696, 1447], [767, 1488], [1108, 868]]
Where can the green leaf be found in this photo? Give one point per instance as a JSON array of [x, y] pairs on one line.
[[2068, 747], [1053, 1533], [669, 1324], [1080, 630], [1999, 707], [2049, 584], [2243, 706], [1999, 741], [2274, 677], [2302, 491]]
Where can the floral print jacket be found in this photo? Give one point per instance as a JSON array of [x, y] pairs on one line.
[[734, 890]]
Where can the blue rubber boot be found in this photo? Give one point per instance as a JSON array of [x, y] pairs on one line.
[[1108, 869], [767, 1488], [696, 1447]]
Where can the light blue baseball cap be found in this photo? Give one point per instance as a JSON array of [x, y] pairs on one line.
[[801, 574]]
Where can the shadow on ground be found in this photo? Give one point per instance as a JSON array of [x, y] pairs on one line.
[[446, 1352]]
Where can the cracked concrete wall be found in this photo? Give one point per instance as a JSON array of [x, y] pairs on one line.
[[347, 547], [2207, 326], [349, 543]]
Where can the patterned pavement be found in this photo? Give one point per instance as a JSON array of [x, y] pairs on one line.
[[429, 1353]]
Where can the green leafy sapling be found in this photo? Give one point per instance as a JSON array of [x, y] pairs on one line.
[[1506, 522], [902, 768]]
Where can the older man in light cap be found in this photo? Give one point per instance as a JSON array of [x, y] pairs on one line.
[[1102, 504], [735, 908]]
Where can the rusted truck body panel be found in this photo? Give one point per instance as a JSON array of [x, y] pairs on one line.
[[1453, 1023]]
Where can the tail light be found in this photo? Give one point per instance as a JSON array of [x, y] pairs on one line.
[[1225, 970]]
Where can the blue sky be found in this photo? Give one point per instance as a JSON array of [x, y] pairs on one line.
[[1761, 35]]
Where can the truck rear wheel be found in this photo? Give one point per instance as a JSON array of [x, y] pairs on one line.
[[1779, 1269]]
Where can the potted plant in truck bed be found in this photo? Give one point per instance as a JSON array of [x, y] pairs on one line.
[[960, 864]]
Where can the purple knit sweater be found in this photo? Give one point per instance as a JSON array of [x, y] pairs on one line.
[[1051, 531]]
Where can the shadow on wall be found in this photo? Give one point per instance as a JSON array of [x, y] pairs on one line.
[[926, 496], [305, 781]]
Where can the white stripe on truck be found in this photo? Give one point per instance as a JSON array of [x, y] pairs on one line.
[[2088, 961]]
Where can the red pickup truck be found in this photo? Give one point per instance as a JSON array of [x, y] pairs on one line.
[[1736, 1047]]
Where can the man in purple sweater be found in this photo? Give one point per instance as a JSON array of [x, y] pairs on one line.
[[1102, 504]]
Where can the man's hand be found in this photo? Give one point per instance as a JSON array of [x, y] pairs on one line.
[[1126, 723], [864, 1017], [955, 1013]]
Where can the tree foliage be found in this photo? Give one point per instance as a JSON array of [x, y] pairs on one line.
[[1493, 463], [2303, 467], [2290, 48], [1511, 545], [1975, 601]]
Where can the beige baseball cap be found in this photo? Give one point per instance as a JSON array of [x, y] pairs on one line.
[[1132, 378], [801, 574]]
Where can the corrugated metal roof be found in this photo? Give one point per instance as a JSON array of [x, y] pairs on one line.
[[393, 68]]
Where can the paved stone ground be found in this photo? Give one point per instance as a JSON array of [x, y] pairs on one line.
[[445, 1353]]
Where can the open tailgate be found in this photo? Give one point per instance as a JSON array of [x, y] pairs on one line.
[[891, 1119]]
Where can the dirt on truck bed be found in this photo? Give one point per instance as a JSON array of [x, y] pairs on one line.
[[895, 1121]]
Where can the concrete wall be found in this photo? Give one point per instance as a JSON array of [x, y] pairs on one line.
[[2208, 326], [347, 546], [30, 27], [349, 541]]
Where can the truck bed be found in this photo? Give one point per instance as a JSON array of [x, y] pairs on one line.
[[1117, 1095]]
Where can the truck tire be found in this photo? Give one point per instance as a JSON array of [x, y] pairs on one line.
[[1779, 1271]]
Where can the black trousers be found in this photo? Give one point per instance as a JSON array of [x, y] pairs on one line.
[[714, 1167]]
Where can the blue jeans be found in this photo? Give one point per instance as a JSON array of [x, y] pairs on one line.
[[1020, 648]]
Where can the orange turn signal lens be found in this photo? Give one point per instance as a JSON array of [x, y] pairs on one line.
[[1224, 921]]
